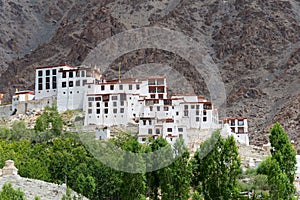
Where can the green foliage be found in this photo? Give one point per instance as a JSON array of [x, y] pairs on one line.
[[216, 174], [4, 133], [37, 198], [9, 193], [282, 166], [49, 120], [260, 182]]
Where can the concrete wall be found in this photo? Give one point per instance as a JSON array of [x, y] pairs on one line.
[[5, 110]]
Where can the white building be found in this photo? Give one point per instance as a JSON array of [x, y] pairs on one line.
[[21, 96], [239, 127]]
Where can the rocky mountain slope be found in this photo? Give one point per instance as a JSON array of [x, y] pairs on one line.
[[254, 43]]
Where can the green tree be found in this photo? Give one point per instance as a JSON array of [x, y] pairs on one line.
[[49, 120], [284, 154], [9, 193], [4, 133], [216, 174]]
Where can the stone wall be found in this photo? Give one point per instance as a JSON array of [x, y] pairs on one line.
[[5, 110]]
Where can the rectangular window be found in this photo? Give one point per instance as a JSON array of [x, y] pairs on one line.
[[150, 131], [158, 108], [204, 119], [150, 122], [120, 87], [90, 111], [54, 84], [47, 72], [84, 82], [106, 111], [54, 72], [115, 110], [106, 104], [114, 104], [192, 106], [64, 75], [197, 107], [82, 73], [40, 86], [114, 97], [70, 74], [130, 87], [71, 83], [112, 87], [186, 113], [40, 73], [151, 108], [169, 130], [121, 110], [91, 99], [197, 119], [64, 84], [144, 122], [204, 112], [197, 112], [137, 86], [98, 104], [97, 98], [186, 107], [166, 108], [90, 104], [160, 96], [180, 130], [122, 103], [47, 86], [157, 131], [102, 87], [78, 83], [98, 111]]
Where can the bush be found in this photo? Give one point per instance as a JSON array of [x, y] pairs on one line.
[[9, 193]]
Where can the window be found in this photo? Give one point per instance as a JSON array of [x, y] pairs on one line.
[[186, 113], [121, 110], [150, 122], [197, 107], [114, 104], [102, 87], [64, 84], [192, 106], [204, 112], [77, 74], [53, 71], [106, 111], [166, 108], [40, 73], [112, 87], [97, 98], [204, 119], [78, 83], [98, 104], [82, 73], [160, 96], [157, 131], [54, 84], [115, 110], [70, 74], [84, 82], [169, 129], [197, 119], [91, 99], [47, 72], [120, 87], [158, 108], [144, 122], [177, 113], [90, 111], [240, 123], [90, 104], [186, 107], [114, 97], [130, 87], [64, 75], [70, 83], [197, 112], [180, 129], [151, 108], [150, 131], [106, 104], [47, 83], [137, 86], [98, 111], [122, 103]]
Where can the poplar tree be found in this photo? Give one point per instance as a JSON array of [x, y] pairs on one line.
[[215, 175], [285, 156]]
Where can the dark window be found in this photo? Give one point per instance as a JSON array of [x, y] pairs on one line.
[[204, 112], [130, 87], [180, 129], [102, 87], [64, 84], [98, 104], [64, 75], [82, 73], [71, 83], [40, 73], [53, 71], [186, 107], [106, 111], [112, 87], [150, 131], [137, 87], [204, 119], [91, 99], [120, 87], [90, 104], [54, 82], [47, 86], [197, 119], [160, 96], [122, 103], [157, 131], [115, 110], [84, 82], [169, 129], [166, 108], [152, 96], [47, 72], [40, 86], [106, 104], [151, 108], [192, 106], [70, 74], [114, 98], [121, 110], [186, 113], [78, 83], [158, 108], [98, 99], [144, 122], [115, 104], [90, 111], [98, 111]]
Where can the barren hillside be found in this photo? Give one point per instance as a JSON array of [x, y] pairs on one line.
[[255, 45]]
